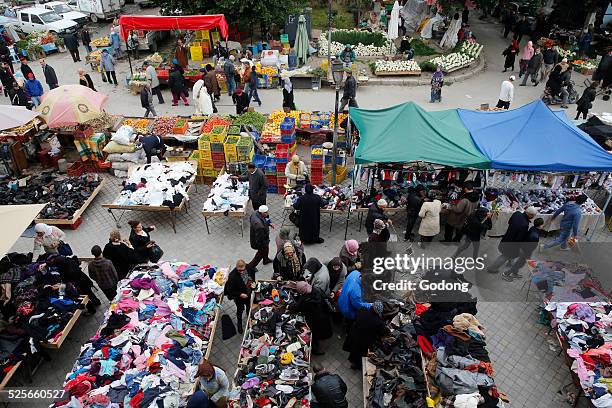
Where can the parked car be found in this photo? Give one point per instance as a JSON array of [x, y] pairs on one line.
[[64, 10], [40, 19], [97, 9]]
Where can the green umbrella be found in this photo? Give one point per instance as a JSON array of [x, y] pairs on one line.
[[301, 42]]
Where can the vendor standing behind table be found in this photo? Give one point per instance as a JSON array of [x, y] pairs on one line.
[[153, 146], [181, 53], [258, 185], [347, 56], [309, 219], [296, 172], [86, 38]]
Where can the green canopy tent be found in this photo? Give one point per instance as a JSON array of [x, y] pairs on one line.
[[407, 133]]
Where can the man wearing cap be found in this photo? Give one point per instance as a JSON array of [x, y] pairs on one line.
[[376, 212], [152, 76], [506, 94], [241, 100], [518, 227], [258, 185], [350, 90], [229, 70], [34, 88], [260, 236]]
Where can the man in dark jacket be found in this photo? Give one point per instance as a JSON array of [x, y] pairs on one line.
[[103, 272], [241, 100], [86, 38], [72, 44], [457, 214], [309, 206], [253, 86], [349, 95], [533, 68], [212, 84], [177, 84], [5, 56], [258, 186], [604, 70], [525, 250], [376, 212], [369, 326], [19, 97], [238, 288], [509, 247], [586, 100], [260, 236], [6, 78], [508, 21], [25, 68], [229, 70], [153, 146], [49, 72], [415, 201], [550, 58], [329, 389]]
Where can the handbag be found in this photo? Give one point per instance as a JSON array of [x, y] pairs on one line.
[[64, 249], [228, 330], [155, 253]]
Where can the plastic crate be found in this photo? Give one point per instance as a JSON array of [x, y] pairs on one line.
[[284, 38], [218, 155], [217, 147], [180, 127], [205, 154], [220, 138], [231, 158], [195, 155], [230, 149], [316, 180], [210, 172], [340, 175], [272, 189], [204, 142], [260, 160], [282, 190], [206, 164], [281, 181], [233, 130], [288, 138], [271, 179], [318, 163]]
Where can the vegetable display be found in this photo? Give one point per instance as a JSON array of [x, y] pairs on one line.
[[376, 44], [139, 125], [472, 49], [563, 53], [100, 42], [164, 125], [452, 61], [255, 119], [214, 121], [397, 66]]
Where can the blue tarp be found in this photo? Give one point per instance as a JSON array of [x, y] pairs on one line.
[[535, 138]]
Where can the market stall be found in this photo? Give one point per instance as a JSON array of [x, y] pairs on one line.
[[156, 187], [227, 198], [157, 330]]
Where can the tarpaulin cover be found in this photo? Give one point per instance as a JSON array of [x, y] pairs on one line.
[[16, 219], [202, 22], [535, 138], [407, 133]]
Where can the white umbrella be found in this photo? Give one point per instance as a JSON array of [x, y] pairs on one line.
[[394, 22], [16, 219], [13, 116]]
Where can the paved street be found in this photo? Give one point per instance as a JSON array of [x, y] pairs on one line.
[[526, 368]]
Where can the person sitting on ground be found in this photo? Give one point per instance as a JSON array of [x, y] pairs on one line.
[[349, 254], [317, 274], [289, 264], [214, 383], [329, 390], [103, 272], [120, 252]]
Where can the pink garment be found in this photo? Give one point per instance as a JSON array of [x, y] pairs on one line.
[[140, 362], [352, 246], [169, 273], [528, 51], [162, 339], [128, 305], [583, 374], [133, 320]]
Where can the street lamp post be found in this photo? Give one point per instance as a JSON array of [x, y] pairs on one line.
[[338, 75], [329, 36]]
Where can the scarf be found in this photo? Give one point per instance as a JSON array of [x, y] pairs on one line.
[[47, 230], [296, 168], [288, 85], [293, 261]]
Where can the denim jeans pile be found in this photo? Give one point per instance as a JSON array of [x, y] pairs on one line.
[[274, 361], [147, 351]]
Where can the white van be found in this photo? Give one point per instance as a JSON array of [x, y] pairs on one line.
[[40, 19], [64, 10], [97, 9]]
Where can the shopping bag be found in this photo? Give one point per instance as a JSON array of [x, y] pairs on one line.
[[64, 249], [228, 330], [155, 253]]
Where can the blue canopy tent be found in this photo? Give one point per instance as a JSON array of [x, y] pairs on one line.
[[534, 138]]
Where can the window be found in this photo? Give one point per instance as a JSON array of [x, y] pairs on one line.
[[25, 17], [50, 17], [61, 8], [36, 20]]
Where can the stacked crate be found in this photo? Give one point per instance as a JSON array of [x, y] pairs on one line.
[[217, 147], [245, 149], [283, 154], [205, 163], [316, 164], [229, 148]]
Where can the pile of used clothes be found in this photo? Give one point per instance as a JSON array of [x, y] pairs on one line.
[[586, 328], [547, 201], [35, 308], [64, 195], [227, 194], [565, 282], [157, 184], [336, 198], [398, 378], [458, 364], [154, 335], [274, 360]]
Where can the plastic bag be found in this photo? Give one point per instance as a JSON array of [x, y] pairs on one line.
[[123, 135]]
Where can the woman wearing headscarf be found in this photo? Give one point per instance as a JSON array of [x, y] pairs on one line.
[[47, 240], [238, 288], [349, 254], [337, 274], [309, 219], [437, 81], [289, 264], [311, 303], [288, 101], [369, 326], [120, 253], [317, 274], [214, 383], [287, 234], [510, 54], [295, 171], [527, 54], [380, 232]]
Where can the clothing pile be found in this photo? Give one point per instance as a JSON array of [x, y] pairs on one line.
[[458, 364], [274, 362], [396, 197], [586, 328], [227, 194], [337, 197], [396, 367], [565, 282], [154, 335], [157, 184], [64, 195], [547, 201]]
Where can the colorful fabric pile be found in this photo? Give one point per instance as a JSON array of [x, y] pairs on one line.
[[274, 363], [227, 194], [547, 201], [565, 282], [337, 197], [155, 333]]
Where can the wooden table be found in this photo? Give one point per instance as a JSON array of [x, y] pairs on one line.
[[71, 222], [56, 344], [231, 214], [289, 209]]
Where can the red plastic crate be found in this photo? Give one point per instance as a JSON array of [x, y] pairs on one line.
[[282, 190], [317, 172], [282, 146], [281, 181], [316, 163], [315, 179], [218, 156]]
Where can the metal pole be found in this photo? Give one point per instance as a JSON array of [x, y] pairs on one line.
[[329, 36], [602, 213], [335, 147]]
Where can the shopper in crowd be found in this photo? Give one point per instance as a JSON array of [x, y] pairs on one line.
[[510, 54], [437, 81], [71, 272], [49, 73], [85, 79], [525, 250], [296, 172], [465, 15], [72, 45], [380, 233], [349, 95], [521, 28], [153, 145], [34, 89], [550, 58], [351, 297], [201, 99], [349, 255], [329, 390], [86, 38], [238, 288], [376, 212], [506, 93], [405, 48], [287, 234], [476, 226], [570, 223], [457, 214], [337, 275], [369, 326], [289, 263], [526, 55], [518, 226], [288, 99], [19, 96], [311, 303], [309, 215], [133, 44], [199, 400], [177, 84], [430, 220], [241, 100], [585, 41], [26, 70], [103, 272], [214, 383], [152, 76], [253, 86], [115, 43], [182, 54], [219, 51], [246, 74], [212, 84], [533, 68], [107, 63], [140, 238], [585, 103], [120, 252], [6, 77], [508, 21], [258, 185], [317, 274], [230, 70], [260, 224], [5, 56], [146, 101], [47, 240], [415, 200]]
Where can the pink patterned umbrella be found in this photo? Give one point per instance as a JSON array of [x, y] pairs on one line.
[[70, 105]]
